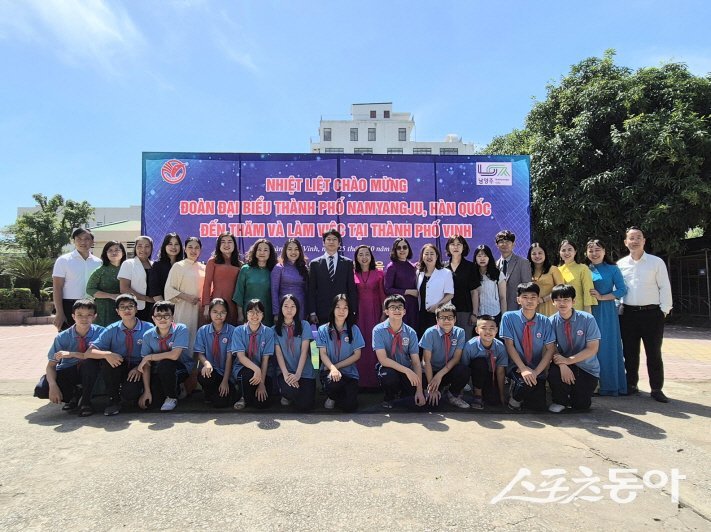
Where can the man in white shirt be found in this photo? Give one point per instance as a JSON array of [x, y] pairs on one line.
[[70, 275], [644, 307]]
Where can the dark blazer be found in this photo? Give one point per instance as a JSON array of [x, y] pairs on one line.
[[518, 271], [322, 289]]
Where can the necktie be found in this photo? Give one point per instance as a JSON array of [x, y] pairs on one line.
[[528, 341], [447, 345], [216, 354], [128, 341], [290, 338], [396, 343], [505, 267], [569, 336], [252, 348], [331, 267], [337, 342]]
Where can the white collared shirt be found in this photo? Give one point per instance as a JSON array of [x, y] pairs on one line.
[[133, 270], [647, 281], [75, 270]]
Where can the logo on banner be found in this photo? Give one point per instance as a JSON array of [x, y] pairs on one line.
[[494, 174], [173, 171]]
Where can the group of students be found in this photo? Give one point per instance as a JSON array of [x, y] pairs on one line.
[[418, 331]]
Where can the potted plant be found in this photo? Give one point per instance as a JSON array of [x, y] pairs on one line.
[[16, 304]]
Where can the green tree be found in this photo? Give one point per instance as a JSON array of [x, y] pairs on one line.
[[43, 233], [611, 147], [37, 272], [518, 142]]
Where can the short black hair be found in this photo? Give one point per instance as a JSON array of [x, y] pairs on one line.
[[505, 235], [86, 303], [462, 240], [332, 232], [562, 291], [485, 317], [162, 306], [530, 287], [394, 298], [447, 307], [82, 231], [126, 297]]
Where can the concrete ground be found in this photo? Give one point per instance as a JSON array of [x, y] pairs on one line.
[[277, 471]]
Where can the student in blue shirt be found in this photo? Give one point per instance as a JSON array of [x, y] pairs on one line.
[[575, 371], [212, 352], [442, 347], [292, 346], [487, 360], [253, 343], [166, 361], [530, 344], [395, 345], [339, 343], [65, 380], [116, 353]]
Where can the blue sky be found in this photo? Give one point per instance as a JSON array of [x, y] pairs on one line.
[[86, 86]]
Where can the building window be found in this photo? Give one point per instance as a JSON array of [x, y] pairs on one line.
[[449, 151], [422, 151], [354, 134], [327, 134], [372, 114], [371, 134], [394, 151], [401, 134], [333, 150], [363, 150], [386, 114]]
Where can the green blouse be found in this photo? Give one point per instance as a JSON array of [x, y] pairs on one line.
[[104, 279]]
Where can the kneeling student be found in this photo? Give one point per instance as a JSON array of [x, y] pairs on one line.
[[212, 351], [442, 346], [166, 361], [116, 353], [339, 343], [530, 343], [487, 360], [575, 370], [292, 345], [253, 343], [395, 344], [66, 380]]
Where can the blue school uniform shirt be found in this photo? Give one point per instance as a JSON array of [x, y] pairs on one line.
[[293, 354], [583, 329], [240, 342], [204, 340], [382, 339], [326, 338], [512, 327], [179, 337], [69, 340], [114, 339], [475, 349], [433, 340]]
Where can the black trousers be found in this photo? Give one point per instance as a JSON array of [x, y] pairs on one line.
[[533, 397], [303, 397], [166, 377], [456, 379], [577, 395], [68, 380], [211, 389], [117, 385], [483, 379], [343, 392], [67, 305], [394, 383], [646, 326], [249, 391]]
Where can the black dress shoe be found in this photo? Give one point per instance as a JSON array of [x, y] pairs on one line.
[[632, 390], [658, 395]]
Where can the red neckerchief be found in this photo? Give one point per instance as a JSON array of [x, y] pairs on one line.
[[290, 338], [336, 335], [528, 340], [396, 343], [216, 353], [163, 342], [128, 340], [81, 341], [252, 348], [447, 345], [569, 334]]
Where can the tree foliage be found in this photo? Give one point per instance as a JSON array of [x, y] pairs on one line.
[[43, 233], [611, 147]]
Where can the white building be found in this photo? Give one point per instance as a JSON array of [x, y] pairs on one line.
[[374, 128]]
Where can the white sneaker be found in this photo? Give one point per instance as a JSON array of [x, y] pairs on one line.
[[169, 404], [239, 405], [456, 401], [285, 401], [556, 408], [330, 404]]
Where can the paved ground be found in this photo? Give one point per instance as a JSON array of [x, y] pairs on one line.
[[279, 471]]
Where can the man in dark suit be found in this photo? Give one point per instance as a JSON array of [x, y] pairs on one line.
[[515, 269], [329, 275]]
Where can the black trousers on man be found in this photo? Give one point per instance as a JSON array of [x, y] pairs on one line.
[[645, 325]]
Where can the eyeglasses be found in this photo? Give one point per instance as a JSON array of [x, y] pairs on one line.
[[219, 312], [126, 307], [255, 312], [402, 248], [446, 318], [396, 307], [162, 316]]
